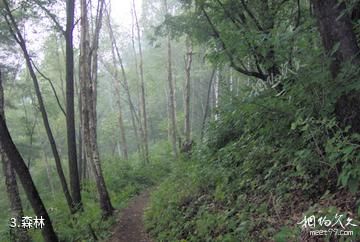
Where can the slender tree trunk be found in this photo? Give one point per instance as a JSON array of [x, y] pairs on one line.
[[124, 148], [82, 151], [84, 76], [142, 90], [30, 128], [23, 173], [18, 37], [48, 172], [85, 173], [12, 159], [17, 234], [70, 117], [133, 114], [171, 87], [80, 136], [139, 120], [216, 93], [168, 113], [171, 100], [116, 53], [188, 91], [94, 59], [87, 77], [207, 105], [335, 27]]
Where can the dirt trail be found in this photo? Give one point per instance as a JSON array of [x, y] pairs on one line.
[[130, 226]]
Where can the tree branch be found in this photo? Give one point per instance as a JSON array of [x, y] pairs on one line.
[[229, 54], [52, 87], [12, 30], [52, 17], [235, 21], [252, 16]]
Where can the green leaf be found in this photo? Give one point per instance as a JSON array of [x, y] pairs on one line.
[[344, 179], [284, 235], [348, 150], [353, 185]]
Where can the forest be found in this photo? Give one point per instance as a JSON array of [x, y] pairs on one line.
[[179, 120]]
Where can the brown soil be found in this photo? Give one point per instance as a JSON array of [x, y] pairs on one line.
[[130, 227]]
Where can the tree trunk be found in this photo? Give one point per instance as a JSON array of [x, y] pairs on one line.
[[139, 120], [94, 58], [116, 53], [123, 143], [11, 158], [168, 114], [142, 90], [216, 85], [80, 136], [48, 172], [207, 105], [18, 37], [171, 91], [171, 100], [24, 175], [18, 234], [188, 91], [335, 27], [89, 102], [70, 117]]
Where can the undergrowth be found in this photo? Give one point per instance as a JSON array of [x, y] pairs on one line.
[[124, 179], [267, 161]]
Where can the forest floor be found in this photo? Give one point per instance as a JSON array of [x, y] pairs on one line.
[[130, 226]]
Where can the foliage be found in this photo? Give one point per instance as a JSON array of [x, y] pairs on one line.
[[125, 179], [273, 150], [267, 160]]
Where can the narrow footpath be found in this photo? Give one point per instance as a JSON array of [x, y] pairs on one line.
[[130, 227]]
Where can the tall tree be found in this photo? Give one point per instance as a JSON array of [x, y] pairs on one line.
[[123, 143], [187, 93], [88, 79], [17, 234], [117, 59], [70, 109], [172, 105], [70, 113], [13, 27], [137, 114], [142, 88]]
